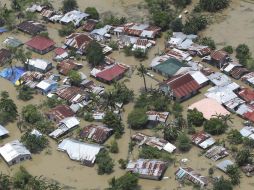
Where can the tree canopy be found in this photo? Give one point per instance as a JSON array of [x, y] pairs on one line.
[[244, 157], [94, 54], [113, 121], [92, 11], [183, 142], [105, 162], [195, 118], [234, 174], [34, 143], [69, 5], [75, 78], [235, 137], [222, 184], [137, 119], [213, 5], [215, 126], [126, 182]]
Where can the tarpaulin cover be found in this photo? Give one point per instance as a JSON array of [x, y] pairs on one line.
[[12, 74]]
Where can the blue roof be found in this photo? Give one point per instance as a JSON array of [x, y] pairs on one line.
[[12, 74], [2, 30]]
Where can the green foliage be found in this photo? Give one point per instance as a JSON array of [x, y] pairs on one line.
[[213, 5], [140, 54], [148, 152], [126, 182], [92, 11], [20, 54], [66, 30], [88, 117], [94, 54], [177, 109], [114, 147], [207, 41], [244, 157], [249, 143], [234, 174], [21, 178], [181, 3], [183, 142], [105, 162], [114, 21], [5, 181], [75, 77], [215, 126], [194, 24], [113, 121], [137, 119], [34, 143], [170, 133], [128, 50], [177, 25], [25, 93], [69, 5], [113, 45], [194, 117], [8, 109], [222, 184], [142, 71], [53, 102], [228, 49], [30, 114], [243, 53], [123, 163], [234, 137], [45, 126]]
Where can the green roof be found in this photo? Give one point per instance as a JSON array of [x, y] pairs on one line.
[[170, 66]]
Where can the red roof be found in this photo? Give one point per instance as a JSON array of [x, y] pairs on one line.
[[59, 51], [60, 112], [247, 94], [249, 116], [40, 43], [112, 72], [219, 55], [182, 85]]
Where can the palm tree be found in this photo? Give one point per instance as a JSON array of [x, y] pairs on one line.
[[142, 72]]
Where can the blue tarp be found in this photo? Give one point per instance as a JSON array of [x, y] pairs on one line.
[[12, 74], [2, 30]]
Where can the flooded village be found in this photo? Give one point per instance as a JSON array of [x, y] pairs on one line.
[[108, 94]]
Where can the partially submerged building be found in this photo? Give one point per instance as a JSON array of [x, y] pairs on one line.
[[147, 169], [74, 17], [96, 133], [31, 27], [203, 140], [46, 86], [40, 44], [216, 153], [223, 165], [80, 151], [64, 67], [14, 152], [3, 132], [155, 116], [59, 113], [39, 65], [155, 142], [72, 94], [78, 42], [5, 56]]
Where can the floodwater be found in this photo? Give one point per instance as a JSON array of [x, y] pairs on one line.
[[57, 166]]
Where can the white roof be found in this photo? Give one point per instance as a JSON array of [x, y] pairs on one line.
[[169, 147], [199, 77], [232, 104], [230, 66], [224, 164], [70, 122], [78, 150], [244, 108], [12, 150], [207, 143], [98, 116], [219, 79], [45, 84], [74, 16], [247, 131], [147, 34], [38, 63], [3, 131], [36, 133]]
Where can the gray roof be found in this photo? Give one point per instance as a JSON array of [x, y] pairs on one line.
[[224, 164], [3, 131]]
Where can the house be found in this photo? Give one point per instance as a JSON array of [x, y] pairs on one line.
[[98, 116], [142, 44], [46, 13], [5, 56], [60, 54], [39, 65], [3, 132], [147, 169], [78, 41], [74, 17], [64, 126], [157, 116], [111, 73], [155, 142], [14, 152], [35, 8], [181, 40], [203, 140], [31, 27], [200, 78], [246, 94], [101, 34], [223, 165], [248, 170], [180, 87], [216, 152], [12, 42], [238, 72], [59, 113], [178, 54], [64, 67], [214, 108], [96, 133], [80, 151], [90, 25], [40, 44], [247, 132], [191, 175], [71, 94], [46, 86], [219, 79], [169, 67], [230, 66], [219, 58]]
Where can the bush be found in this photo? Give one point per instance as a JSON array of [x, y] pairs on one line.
[[183, 142], [137, 119], [215, 126], [113, 45], [194, 24], [228, 49], [34, 143], [105, 162], [243, 53], [222, 184], [75, 77], [244, 157], [92, 11], [177, 25], [69, 5], [213, 5], [195, 118], [123, 163], [234, 174], [94, 54], [207, 41], [234, 137], [140, 53], [88, 117], [66, 30], [126, 182], [114, 147], [181, 3]]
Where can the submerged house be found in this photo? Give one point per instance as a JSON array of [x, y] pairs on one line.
[[40, 44], [64, 67], [39, 65], [155, 116], [147, 169], [12, 42], [59, 113], [72, 94], [14, 152], [74, 17], [78, 42], [155, 142], [80, 151], [203, 140], [216, 152], [31, 27], [96, 133], [191, 175], [5, 56], [219, 58], [46, 86], [180, 87]]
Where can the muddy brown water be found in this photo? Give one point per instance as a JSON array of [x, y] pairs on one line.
[[57, 166]]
